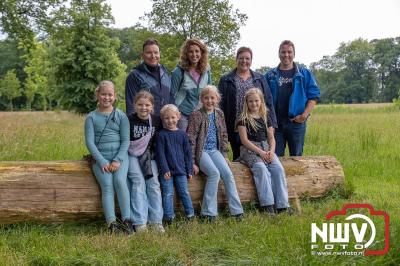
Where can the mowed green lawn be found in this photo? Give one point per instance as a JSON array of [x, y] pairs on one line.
[[364, 138]]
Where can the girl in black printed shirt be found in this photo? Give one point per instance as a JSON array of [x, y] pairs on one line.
[[146, 203], [258, 152]]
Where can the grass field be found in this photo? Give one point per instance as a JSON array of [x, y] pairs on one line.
[[364, 139]]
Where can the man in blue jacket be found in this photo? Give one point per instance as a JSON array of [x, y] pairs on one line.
[[295, 93]]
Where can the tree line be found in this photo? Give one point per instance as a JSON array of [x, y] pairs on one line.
[[56, 52]]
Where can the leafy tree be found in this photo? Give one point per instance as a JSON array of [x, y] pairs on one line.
[[23, 19], [10, 87], [83, 53], [131, 41], [213, 21], [263, 69], [360, 73], [11, 58], [37, 69], [386, 56]]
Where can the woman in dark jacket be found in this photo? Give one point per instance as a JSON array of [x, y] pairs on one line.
[[233, 87], [150, 76]]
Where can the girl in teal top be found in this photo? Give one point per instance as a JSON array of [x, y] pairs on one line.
[[107, 139], [189, 78]]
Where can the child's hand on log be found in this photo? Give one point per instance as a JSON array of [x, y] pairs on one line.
[[190, 177]]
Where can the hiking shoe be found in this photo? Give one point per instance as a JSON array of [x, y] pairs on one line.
[[287, 211], [140, 228], [268, 209], [239, 217], [208, 219], [113, 228], [168, 221], [159, 228], [127, 227], [190, 218]]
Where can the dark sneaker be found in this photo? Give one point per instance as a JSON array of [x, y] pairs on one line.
[[287, 211], [268, 209], [127, 227], [239, 217], [168, 221], [113, 228], [190, 218], [208, 219]]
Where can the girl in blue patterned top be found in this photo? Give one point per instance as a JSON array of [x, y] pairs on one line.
[[209, 143]]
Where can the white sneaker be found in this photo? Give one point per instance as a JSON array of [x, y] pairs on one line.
[[140, 228], [159, 228]]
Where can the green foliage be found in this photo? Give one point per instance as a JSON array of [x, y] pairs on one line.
[[23, 19], [396, 102], [10, 87], [37, 69], [83, 53], [386, 56], [263, 69], [360, 72], [213, 21], [220, 66], [11, 58], [131, 41]]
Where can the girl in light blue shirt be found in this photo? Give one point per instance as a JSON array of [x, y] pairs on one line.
[[107, 139]]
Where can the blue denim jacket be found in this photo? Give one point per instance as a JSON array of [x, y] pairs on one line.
[[304, 88]]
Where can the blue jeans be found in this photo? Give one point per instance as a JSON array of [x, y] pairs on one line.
[[146, 205], [110, 181], [181, 186], [271, 183], [293, 134], [214, 165]]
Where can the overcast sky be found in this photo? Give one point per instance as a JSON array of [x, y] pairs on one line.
[[317, 27]]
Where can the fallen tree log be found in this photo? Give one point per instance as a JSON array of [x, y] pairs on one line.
[[56, 191]]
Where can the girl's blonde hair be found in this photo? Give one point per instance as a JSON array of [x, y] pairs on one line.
[[103, 84], [246, 117], [208, 89], [169, 108], [184, 60], [145, 95]]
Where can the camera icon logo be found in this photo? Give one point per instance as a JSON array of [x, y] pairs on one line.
[[355, 235]]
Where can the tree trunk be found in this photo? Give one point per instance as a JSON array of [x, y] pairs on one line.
[[58, 191]]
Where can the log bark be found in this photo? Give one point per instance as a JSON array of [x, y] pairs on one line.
[[57, 191]]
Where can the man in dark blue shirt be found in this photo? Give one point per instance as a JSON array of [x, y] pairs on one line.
[[295, 93]]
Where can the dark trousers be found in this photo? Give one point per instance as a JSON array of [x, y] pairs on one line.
[[235, 145], [292, 134]]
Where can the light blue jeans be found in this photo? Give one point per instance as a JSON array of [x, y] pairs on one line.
[[182, 189], [214, 165], [146, 204], [110, 181], [271, 183]]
